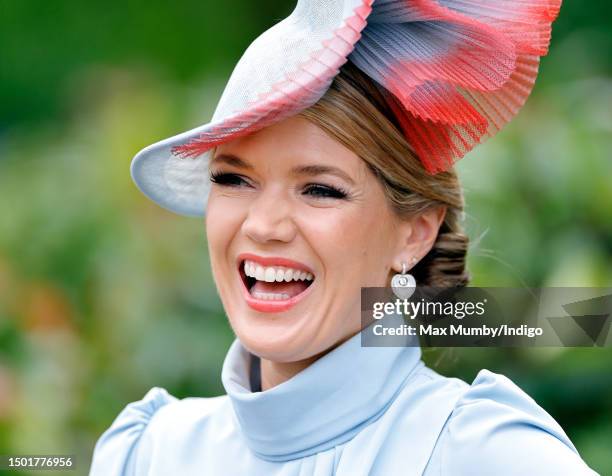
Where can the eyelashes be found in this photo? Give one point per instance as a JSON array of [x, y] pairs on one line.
[[315, 190], [325, 191], [228, 180]]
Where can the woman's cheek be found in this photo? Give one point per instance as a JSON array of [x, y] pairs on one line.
[[223, 217], [339, 223], [218, 232], [344, 233]]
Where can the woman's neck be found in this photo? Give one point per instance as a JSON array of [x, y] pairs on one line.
[[275, 373]]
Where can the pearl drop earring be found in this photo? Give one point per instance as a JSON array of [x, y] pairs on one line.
[[404, 285]]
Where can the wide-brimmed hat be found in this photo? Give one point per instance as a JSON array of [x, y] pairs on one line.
[[455, 72]]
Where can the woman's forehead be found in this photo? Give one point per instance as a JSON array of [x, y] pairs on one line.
[[294, 142], [295, 132]]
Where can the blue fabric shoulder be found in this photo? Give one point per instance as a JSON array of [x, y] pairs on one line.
[[496, 428], [115, 451]]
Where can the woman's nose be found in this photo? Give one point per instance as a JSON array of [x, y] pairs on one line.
[[269, 219]]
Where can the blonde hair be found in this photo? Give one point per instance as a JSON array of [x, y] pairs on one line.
[[354, 111]]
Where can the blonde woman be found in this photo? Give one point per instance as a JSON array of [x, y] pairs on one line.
[[327, 168]]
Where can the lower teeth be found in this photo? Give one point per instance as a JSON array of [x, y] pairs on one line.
[[270, 296]]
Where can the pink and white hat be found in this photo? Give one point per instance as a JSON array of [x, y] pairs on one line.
[[456, 71]]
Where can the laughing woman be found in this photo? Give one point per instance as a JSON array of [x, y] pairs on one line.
[[328, 167]]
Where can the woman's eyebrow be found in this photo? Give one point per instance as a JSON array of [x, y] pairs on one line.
[[231, 159], [319, 169]]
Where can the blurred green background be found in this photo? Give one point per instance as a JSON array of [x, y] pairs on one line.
[[104, 295]]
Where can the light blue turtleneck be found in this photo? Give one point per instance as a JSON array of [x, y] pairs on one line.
[[356, 411]]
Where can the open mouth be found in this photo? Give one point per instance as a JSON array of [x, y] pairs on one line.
[[274, 283]]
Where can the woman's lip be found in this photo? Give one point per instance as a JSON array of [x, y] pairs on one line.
[[273, 261], [272, 306]]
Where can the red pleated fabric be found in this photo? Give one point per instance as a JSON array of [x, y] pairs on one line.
[[448, 102]]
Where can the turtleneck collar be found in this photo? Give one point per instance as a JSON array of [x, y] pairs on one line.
[[324, 405]]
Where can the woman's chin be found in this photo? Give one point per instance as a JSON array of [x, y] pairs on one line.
[[273, 339], [275, 350]]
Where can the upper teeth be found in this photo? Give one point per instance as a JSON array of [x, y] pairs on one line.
[[275, 273]]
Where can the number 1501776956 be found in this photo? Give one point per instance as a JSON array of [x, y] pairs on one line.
[[55, 462]]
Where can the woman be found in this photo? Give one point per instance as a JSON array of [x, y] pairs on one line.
[[323, 184]]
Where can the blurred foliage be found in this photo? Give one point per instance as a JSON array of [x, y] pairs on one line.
[[104, 295]]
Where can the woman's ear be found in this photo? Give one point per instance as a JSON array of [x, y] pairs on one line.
[[417, 236]]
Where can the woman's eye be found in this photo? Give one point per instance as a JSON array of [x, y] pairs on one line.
[[228, 180], [325, 191]]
